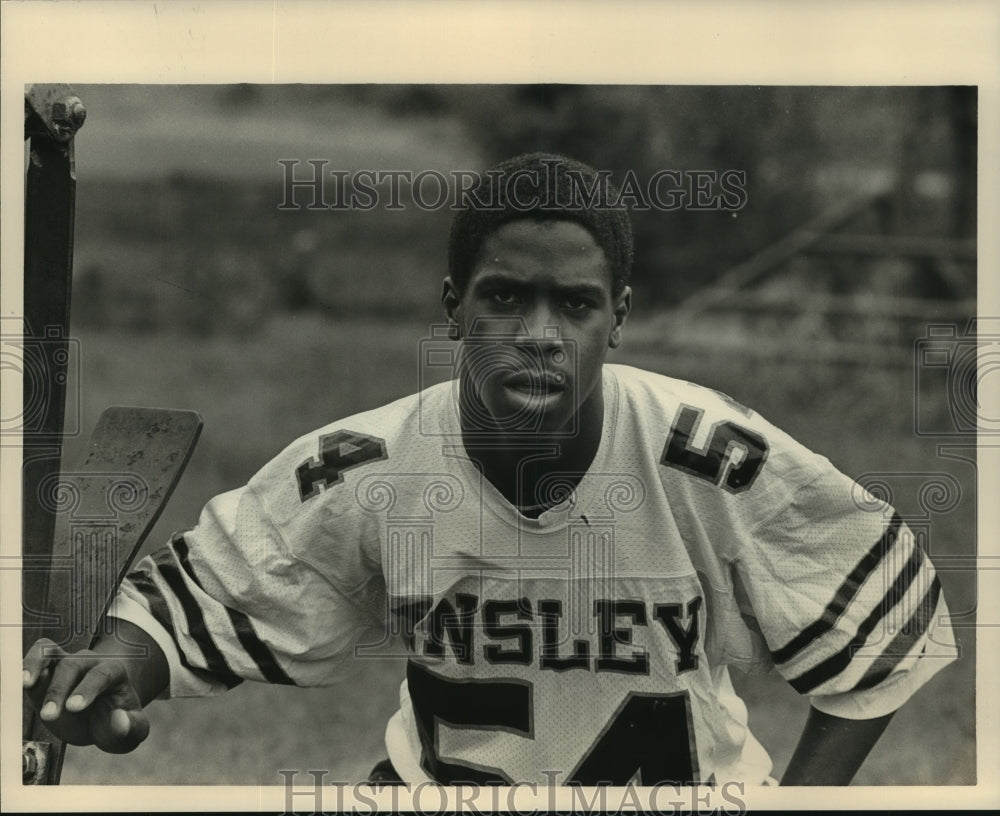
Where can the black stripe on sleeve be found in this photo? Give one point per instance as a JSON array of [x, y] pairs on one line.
[[257, 649], [833, 666], [161, 612], [217, 664], [904, 641], [843, 596], [245, 633]]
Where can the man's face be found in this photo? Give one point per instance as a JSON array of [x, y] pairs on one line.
[[537, 318]]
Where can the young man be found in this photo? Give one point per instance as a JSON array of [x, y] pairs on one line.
[[573, 553]]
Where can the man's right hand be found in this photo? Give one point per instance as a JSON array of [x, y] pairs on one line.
[[85, 698]]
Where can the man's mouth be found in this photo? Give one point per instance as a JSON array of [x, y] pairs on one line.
[[536, 382]]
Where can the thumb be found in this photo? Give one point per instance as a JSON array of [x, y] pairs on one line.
[[120, 730]]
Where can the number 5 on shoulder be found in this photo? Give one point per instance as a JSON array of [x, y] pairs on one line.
[[731, 458]]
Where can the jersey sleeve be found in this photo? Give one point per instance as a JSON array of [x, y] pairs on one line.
[[848, 602], [267, 587]]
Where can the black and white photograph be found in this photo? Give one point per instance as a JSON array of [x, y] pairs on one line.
[[533, 435]]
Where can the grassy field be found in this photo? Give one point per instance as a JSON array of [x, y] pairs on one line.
[[258, 393]]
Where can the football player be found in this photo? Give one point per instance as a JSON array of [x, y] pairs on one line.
[[572, 553]]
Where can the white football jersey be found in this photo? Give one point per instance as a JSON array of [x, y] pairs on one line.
[[591, 644]]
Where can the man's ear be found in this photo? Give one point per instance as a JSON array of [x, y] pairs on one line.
[[451, 300], [622, 308]]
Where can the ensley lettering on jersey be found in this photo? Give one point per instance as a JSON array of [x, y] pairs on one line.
[[509, 628]]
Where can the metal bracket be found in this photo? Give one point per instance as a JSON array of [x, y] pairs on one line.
[[54, 111], [34, 762]]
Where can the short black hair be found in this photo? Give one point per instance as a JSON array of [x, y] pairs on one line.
[[542, 187]]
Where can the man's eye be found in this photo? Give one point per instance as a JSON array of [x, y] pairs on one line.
[[576, 304], [506, 298]]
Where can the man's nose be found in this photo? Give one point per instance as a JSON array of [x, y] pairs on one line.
[[541, 325]]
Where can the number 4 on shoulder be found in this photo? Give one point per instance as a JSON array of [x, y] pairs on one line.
[[338, 451]]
